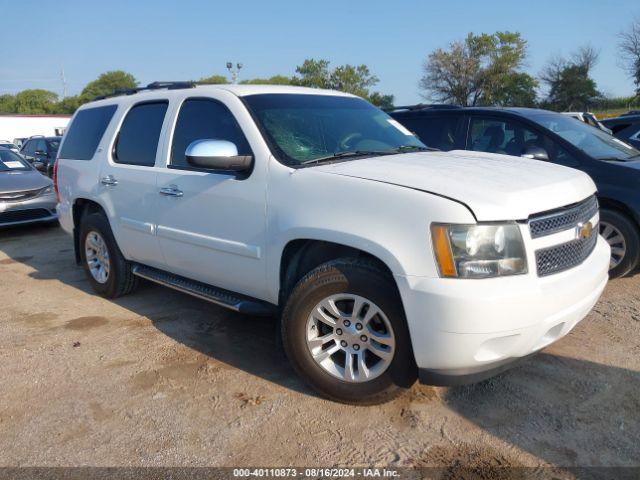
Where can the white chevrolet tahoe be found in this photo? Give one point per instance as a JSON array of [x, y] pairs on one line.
[[384, 261]]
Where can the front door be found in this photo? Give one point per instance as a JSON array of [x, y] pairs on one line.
[[211, 225], [127, 183]]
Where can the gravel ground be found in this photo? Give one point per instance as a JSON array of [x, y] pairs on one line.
[[162, 379]]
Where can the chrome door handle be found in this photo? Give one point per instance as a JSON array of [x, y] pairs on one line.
[[171, 191], [109, 180]]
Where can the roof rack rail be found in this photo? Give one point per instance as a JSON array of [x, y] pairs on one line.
[[151, 86], [422, 106]]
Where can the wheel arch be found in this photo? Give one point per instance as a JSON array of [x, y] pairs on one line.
[[300, 256], [610, 204], [82, 206]]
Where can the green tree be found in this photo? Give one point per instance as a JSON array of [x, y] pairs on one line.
[[274, 80], [516, 89], [213, 80], [313, 73], [36, 101], [482, 69], [7, 103], [355, 79], [573, 90], [381, 100], [68, 105], [568, 79], [107, 83]]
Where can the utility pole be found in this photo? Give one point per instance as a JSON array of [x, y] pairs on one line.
[[64, 83], [235, 72]]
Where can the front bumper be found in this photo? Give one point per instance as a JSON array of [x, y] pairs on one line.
[[466, 330], [33, 210]]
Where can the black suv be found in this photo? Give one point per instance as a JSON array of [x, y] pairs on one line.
[[41, 152], [613, 165]]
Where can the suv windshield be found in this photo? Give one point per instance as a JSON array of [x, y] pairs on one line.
[[10, 161], [304, 128], [594, 142]]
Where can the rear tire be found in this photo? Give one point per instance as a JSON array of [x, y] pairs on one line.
[[622, 236], [376, 362], [98, 249]]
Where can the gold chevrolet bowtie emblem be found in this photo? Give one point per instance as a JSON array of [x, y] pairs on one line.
[[584, 230]]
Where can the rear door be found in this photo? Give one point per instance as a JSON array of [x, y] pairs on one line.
[[127, 182]]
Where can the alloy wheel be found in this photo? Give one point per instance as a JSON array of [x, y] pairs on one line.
[[616, 241], [97, 256], [350, 338]]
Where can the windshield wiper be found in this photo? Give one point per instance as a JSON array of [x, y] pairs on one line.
[[613, 159], [343, 155], [414, 148]]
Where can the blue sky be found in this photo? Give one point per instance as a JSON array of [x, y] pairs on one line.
[[188, 39]]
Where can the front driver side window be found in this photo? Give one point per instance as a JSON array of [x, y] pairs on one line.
[[502, 136], [513, 138], [202, 118]]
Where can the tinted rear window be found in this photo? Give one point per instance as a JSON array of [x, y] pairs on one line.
[[441, 132], [85, 132], [138, 138]]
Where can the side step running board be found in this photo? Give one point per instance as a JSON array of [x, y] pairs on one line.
[[234, 301]]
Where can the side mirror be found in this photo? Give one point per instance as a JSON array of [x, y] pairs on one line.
[[217, 155], [536, 153]]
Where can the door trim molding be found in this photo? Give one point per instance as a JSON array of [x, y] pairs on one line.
[[137, 225], [227, 246]]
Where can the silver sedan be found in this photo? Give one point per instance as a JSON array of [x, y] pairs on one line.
[[26, 196]]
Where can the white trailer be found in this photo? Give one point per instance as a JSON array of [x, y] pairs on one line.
[[24, 126]]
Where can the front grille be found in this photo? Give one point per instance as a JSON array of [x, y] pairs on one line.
[[569, 217], [19, 196], [566, 255], [24, 215]]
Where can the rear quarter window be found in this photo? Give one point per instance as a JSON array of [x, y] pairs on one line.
[[86, 131]]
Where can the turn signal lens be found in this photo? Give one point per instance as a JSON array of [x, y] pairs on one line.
[[443, 251]]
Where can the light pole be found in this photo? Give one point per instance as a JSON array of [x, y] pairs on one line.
[[234, 71]]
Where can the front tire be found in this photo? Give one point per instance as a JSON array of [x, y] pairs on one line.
[[345, 333], [622, 236], [106, 268]]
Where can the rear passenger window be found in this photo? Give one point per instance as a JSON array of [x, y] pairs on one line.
[[86, 130], [443, 132], [137, 142], [201, 119]]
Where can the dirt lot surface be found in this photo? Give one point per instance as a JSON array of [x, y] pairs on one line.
[[160, 378]]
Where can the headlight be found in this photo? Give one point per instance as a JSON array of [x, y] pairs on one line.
[[479, 251], [47, 190]]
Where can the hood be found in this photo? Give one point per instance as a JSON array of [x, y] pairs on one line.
[[22, 180], [494, 187]]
